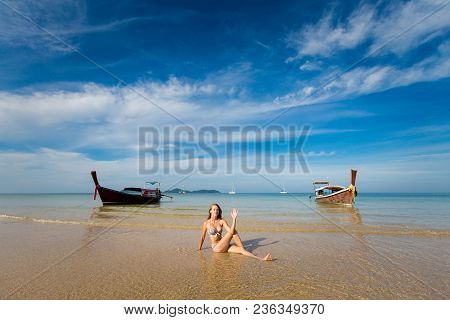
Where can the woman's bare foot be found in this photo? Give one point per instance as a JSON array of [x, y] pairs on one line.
[[268, 257]]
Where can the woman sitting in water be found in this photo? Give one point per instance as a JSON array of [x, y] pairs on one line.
[[214, 225]]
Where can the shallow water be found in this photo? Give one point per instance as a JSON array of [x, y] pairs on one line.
[[425, 211], [70, 247]]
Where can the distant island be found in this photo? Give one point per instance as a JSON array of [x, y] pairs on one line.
[[178, 190]]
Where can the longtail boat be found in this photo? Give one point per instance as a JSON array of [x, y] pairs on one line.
[[127, 195], [336, 194]]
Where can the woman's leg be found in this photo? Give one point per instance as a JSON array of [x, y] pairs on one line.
[[224, 243], [236, 249], [237, 240]]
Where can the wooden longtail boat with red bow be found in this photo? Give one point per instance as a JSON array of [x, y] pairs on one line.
[[127, 195], [336, 194]]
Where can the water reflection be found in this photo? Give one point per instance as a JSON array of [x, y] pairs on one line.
[[347, 213], [221, 273], [108, 212]]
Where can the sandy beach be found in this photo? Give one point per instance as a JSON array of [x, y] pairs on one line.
[[113, 256], [325, 124]]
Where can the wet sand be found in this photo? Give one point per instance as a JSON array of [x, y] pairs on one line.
[[158, 260]]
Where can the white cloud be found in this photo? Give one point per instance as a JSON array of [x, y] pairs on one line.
[[367, 23], [320, 154], [366, 29], [48, 170], [17, 31], [265, 46], [443, 155], [327, 36], [311, 66], [365, 80], [92, 115], [426, 130], [307, 91], [399, 16], [65, 19]]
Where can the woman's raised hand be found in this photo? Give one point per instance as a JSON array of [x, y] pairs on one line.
[[234, 213]]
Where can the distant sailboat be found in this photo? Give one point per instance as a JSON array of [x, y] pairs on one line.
[[283, 191], [183, 191], [233, 190]]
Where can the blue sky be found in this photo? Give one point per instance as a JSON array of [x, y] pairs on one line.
[[370, 77]]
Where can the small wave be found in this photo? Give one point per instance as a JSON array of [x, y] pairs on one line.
[[247, 226], [150, 211], [48, 221], [7, 216]]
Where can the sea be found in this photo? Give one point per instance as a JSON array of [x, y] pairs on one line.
[[424, 211], [69, 246]]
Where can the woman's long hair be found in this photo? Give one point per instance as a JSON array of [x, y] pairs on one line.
[[220, 211]]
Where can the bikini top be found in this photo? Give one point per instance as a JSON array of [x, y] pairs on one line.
[[213, 231]]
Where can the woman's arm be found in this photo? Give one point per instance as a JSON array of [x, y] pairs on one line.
[[202, 238], [225, 224]]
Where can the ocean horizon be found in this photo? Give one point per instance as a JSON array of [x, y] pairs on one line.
[[424, 210]]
